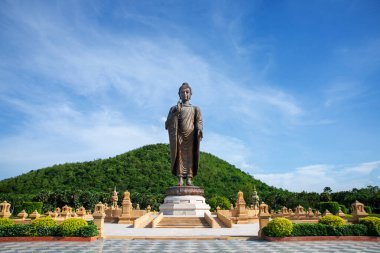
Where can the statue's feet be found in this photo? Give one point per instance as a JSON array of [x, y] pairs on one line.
[[188, 182], [180, 181]]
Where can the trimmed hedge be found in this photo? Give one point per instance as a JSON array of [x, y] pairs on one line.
[[6, 222], [71, 226], [309, 229], [88, 231], [45, 227], [279, 227], [332, 220], [16, 230], [373, 225], [319, 229], [37, 229], [44, 222], [332, 206]]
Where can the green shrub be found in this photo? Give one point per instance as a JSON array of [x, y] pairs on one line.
[[44, 227], [319, 229], [29, 207], [279, 227], [220, 201], [332, 206], [44, 222], [15, 230], [349, 230], [309, 229], [368, 209], [88, 231], [332, 220], [348, 216], [373, 225], [46, 231], [71, 226], [6, 222]]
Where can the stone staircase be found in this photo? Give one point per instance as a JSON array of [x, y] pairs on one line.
[[183, 222]]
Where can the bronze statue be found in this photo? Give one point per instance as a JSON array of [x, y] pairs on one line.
[[185, 127]]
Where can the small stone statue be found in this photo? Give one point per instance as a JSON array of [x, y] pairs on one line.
[[185, 126]]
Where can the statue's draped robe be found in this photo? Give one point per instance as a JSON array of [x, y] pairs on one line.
[[184, 141]]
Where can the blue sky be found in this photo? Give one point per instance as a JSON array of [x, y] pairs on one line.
[[289, 90]]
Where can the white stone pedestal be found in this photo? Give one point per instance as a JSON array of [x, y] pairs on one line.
[[185, 205]]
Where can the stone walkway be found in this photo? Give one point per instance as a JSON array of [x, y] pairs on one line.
[[219, 246], [116, 231]]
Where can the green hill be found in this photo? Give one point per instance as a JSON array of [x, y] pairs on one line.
[[145, 172]]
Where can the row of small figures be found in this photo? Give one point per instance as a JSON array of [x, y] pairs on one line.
[[113, 207], [65, 213], [300, 212]]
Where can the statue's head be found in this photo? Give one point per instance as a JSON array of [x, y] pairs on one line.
[[184, 86]]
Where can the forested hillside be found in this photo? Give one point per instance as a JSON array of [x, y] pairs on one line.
[[145, 172]]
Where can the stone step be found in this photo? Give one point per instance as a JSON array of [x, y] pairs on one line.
[[183, 222]]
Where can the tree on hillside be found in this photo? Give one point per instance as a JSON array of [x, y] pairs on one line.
[[326, 194]]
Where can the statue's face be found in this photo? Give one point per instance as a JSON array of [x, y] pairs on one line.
[[185, 94]]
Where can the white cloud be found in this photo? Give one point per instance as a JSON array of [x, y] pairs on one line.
[[228, 148], [316, 177], [59, 135], [364, 168], [341, 91]]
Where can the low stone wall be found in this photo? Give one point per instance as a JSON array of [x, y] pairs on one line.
[[211, 221], [143, 221], [226, 220], [157, 220]]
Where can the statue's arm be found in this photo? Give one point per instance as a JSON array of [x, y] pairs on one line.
[[171, 114], [199, 123]]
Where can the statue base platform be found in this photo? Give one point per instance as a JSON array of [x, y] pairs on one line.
[[185, 201]]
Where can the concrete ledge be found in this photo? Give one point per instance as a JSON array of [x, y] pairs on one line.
[[323, 238], [202, 238]]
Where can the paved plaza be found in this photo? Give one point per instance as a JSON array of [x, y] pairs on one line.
[[176, 246], [113, 231], [137, 240]]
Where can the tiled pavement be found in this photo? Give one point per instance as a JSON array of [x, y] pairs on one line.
[[191, 246]]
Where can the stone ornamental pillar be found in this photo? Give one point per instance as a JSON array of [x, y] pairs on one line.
[[99, 215], [126, 211], [341, 214], [310, 213], [81, 212], [66, 212], [358, 211], [22, 215], [241, 212], [300, 212], [5, 210], [327, 212], [263, 217], [34, 215], [54, 215]]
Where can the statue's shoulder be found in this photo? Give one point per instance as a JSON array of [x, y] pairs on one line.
[[197, 108], [172, 108]]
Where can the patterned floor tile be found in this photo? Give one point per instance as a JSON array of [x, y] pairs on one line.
[[146, 246]]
